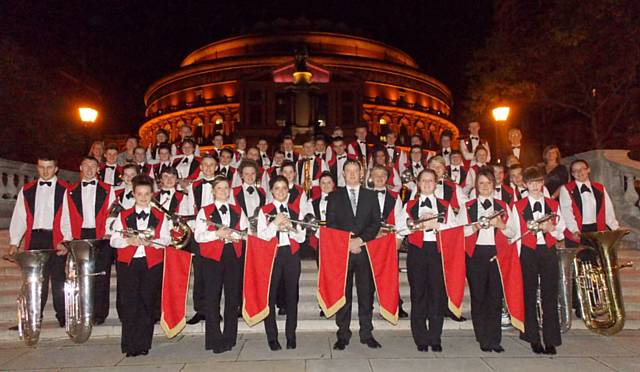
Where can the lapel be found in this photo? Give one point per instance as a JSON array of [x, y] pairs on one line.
[[577, 197], [527, 213], [101, 195], [598, 196], [240, 200], [389, 203], [131, 220], [76, 196], [473, 211]]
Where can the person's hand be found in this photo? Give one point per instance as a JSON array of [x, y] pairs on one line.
[[13, 249], [224, 233], [548, 226], [498, 223], [134, 240], [430, 225], [282, 220], [184, 183], [61, 249], [354, 245]]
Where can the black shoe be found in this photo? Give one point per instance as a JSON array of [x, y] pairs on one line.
[[550, 350], [129, 355], [282, 311], [13, 328], [578, 313], [218, 349], [436, 348], [340, 344], [143, 352], [197, 318], [498, 349], [61, 323], [371, 342], [423, 348], [98, 321], [274, 345], [537, 348], [291, 344], [486, 349], [402, 313], [322, 314]]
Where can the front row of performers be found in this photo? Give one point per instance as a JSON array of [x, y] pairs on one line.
[[49, 211]]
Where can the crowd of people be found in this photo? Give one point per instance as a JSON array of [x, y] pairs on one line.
[[356, 186]]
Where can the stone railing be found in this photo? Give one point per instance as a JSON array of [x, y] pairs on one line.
[[620, 175], [14, 175]]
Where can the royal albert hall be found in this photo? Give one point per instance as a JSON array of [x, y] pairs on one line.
[[291, 78]]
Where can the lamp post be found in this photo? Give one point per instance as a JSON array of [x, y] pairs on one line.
[[87, 115], [500, 115]]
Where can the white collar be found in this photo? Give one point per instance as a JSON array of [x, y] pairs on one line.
[[220, 204], [53, 180], [147, 209]]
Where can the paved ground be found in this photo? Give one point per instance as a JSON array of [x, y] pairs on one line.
[[582, 351]]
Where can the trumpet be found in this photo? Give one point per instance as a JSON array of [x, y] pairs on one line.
[[146, 234], [535, 226], [484, 222], [309, 222], [237, 235], [414, 225]]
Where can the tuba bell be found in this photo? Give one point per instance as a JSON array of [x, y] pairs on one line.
[[79, 288], [598, 282], [181, 232], [29, 299], [566, 256]]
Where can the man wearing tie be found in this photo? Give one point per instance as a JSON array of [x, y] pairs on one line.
[[396, 156], [287, 148], [469, 144], [225, 169], [336, 165], [456, 169], [359, 146], [355, 209], [525, 154], [263, 147], [445, 146], [163, 161], [110, 171]]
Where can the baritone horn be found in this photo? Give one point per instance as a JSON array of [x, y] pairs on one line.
[[181, 232]]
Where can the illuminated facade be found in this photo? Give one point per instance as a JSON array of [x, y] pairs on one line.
[[246, 84]]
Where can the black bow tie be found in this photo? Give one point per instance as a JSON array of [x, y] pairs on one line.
[[537, 207], [251, 190], [474, 138], [391, 147], [523, 191], [112, 167], [446, 152], [129, 195], [185, 160], [210, 182], [264, 156], [42, 183], [584, 188], [417, 166], [324, 198], [361, 142], [283, 209], [340, 157], [87, 183], [142, 215], [455, 170], [380, 191], [426, 203], [289, 155], [162, 192], [486, 204], [499, 189], [441, 182], [223, 171], [223, 209], [515, 147]]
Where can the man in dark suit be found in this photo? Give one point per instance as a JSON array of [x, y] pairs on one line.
[[355, 209], [526, 154]]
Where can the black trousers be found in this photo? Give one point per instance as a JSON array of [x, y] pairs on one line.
[[139, 288], [101, 283], [540, 263], [53, 272], [428, 302], [485, 288], [286, 270], [198, 293], [224, 274], [359, 267]]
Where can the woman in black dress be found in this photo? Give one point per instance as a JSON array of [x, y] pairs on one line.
[[556, 174]]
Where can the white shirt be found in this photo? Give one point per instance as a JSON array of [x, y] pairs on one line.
[[202, 233], [513, 225], [184, 165], [447, 156], [416, 167], [322, 206], [266, 162], [340, 160], [119, 241], [428, 236], [588, 208], [363, 147], [43, 212], [268, 231], [251, 200], [289, 155], [516, 152], [456, 173], [88, 204], [128, 200], [110, 174], [485, 236]]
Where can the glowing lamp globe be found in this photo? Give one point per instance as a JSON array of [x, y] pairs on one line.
[[501, 113], [87, 114]]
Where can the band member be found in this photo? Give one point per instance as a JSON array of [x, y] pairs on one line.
[[483, 275], [424, 263], [539, 262], [240, 150], [359, 146], [263, 160], [456, 169], [162, 139], [185, 132], [220, 252], [249, 196], [322, 151], [416, 140], [226, 169], [309, 168], [479, 160], [163, 160], [124, 192], [110, 170], [171, 199], [287, 148], [97, 151], [416, 162], [502, 191], [337, 161], [218, 143], [380, 158], [187, 164], [518, 185], [139, 265], [127, 155], [286, 266], [445, 146], [85, 211], [319, 206], [36, 222], [337, 132], [397, 157], [355, 209], [445, 188], [140, 159], [469, 144], [200, 194], [524, 153], [297, 196]]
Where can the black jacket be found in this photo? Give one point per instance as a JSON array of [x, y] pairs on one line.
[[365, 224]]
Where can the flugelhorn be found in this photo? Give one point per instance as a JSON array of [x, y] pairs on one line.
[[535, 226], [309, 222], [237, 235], [146, 234], [484, 222], [415, 225]]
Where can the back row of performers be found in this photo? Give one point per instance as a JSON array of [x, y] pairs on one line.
[[215, 193]]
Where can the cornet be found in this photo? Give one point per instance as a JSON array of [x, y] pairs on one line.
[[484, 222], [309, 222], [146, 234], [237, 235], [535, 226], [414, 225]]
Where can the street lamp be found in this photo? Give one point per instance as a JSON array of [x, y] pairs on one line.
[[500, 115], [87, 115]]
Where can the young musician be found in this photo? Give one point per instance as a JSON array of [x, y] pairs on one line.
[[483, 276], [338, 159], [286, 267], [309, 168], [539, 261], [468, 145], [380, 158], [424, 263], [456, 169], [516, 181], [322, 151], [124, 192], [110, 170], [359, 146], [445, 188], [169, 197], [85, 211], [319, 206], [264, 160], [185, 132], [240, 150], [445, 146], [297, 196], [218, 143], [479, 160], [416, 161], [287, 148], [36, 222], [397, 157], [139, 265], [220, 252], [187, 164], [226, 169], [163, 160], [355, 209], [249, 196], [127, 155], [140, 159], [162, 139]]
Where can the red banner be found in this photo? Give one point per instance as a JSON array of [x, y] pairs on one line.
[[451, 246], [332, 275], [511, 276], [175, 287], [383, 257], [258, 265]]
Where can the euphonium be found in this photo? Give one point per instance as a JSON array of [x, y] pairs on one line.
[[565, 286], [30, 297], [181, 232], [598, 282], [78, 288]]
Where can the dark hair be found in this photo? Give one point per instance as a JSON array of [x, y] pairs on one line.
[[455, 152], [532, 174], [363, 125], [480, 148], [227, 150], [247, 163], [163, 132], [415, 147], [429, 171], [578, 161], [132, 137], [164, 146], [170, 170], [327, 174], [142, 180], [287, 163], [287, 137], [111, 146], [446, 133], [209, 155], [131, 166], [384, 151], [276, 179], [278, 152], [189, 140], [380, 167], [515, 166], [90, 158], [139, 148], [337, 139], [498, 166], [485, 172]]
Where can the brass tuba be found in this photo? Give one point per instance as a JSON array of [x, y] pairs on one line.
[[598, 282], [29, 299], [79, 288], [181, 232], [566, 257]]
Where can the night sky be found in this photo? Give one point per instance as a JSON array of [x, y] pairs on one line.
[[119, 48]]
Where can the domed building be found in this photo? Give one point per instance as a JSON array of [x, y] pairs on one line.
[[297, 77]]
